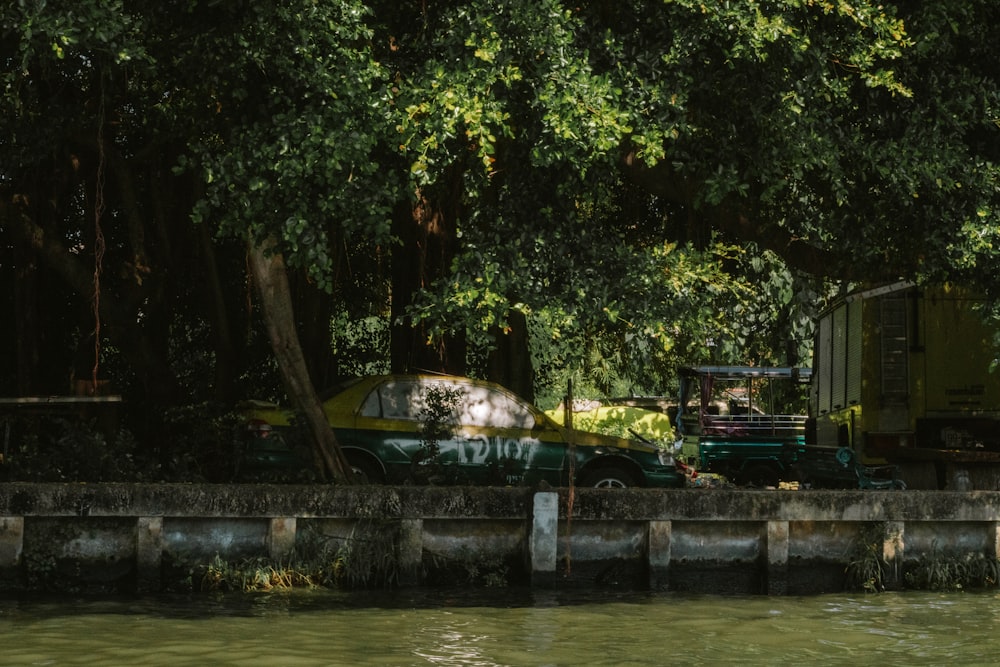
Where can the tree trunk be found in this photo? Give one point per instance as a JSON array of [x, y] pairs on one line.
[[216, 312], [118, 315], [27, 333], [313, 311], [270, 277], [428, 243], [510, 363], [662, 181]]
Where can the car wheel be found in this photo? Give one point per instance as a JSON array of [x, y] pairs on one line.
[[608, 477], [366, 471]]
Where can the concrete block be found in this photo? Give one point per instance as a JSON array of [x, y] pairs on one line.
[[411, 546], [281, 538], [148, 553], [11, 540], [660, 533], [777, 557], [544, 535], [893, 553]]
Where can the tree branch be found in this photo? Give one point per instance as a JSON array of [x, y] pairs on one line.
[[664, 182]]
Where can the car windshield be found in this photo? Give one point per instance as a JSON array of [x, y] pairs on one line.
[[475, 405]]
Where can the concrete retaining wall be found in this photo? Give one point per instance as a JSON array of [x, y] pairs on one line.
[[119, 536]]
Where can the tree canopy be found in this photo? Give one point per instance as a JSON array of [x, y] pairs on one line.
[[514, 188]]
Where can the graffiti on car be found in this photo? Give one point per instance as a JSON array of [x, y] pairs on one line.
[[479, 449]]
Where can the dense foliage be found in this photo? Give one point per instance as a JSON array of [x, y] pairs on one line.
[[596, 190]]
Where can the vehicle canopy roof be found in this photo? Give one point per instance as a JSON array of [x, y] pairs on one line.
[[737, 372]]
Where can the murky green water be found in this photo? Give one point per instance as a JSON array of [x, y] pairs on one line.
[[503, 628]]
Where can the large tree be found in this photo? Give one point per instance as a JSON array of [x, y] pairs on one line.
[[603, 164], [855, 141]]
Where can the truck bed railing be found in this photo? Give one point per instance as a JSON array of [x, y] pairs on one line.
[[753, 425]]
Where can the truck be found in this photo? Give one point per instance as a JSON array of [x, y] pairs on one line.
[[750, 425], [903, 375], [746, 423]]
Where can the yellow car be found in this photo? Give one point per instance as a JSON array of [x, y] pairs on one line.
[[445, 429], [620, 419]]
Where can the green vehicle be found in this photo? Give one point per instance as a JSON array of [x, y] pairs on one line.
[[402, 429], [744, 422]]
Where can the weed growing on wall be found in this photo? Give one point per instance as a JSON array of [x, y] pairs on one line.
[[253, 574], [935, 571], [866, 567], [369, 557], [939, 572], [467, 568], [366, 558]]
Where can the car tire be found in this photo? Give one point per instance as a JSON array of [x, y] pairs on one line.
[[366, 471], [608, 477]]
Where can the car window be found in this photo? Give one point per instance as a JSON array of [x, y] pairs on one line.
[[478, 406], [395, 399], [485, 406]]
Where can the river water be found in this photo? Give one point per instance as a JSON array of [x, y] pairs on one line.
[[502, 627]]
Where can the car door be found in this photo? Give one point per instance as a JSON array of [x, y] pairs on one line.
[[466, 431], [517, 443], [494, 435], [404, 423]]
